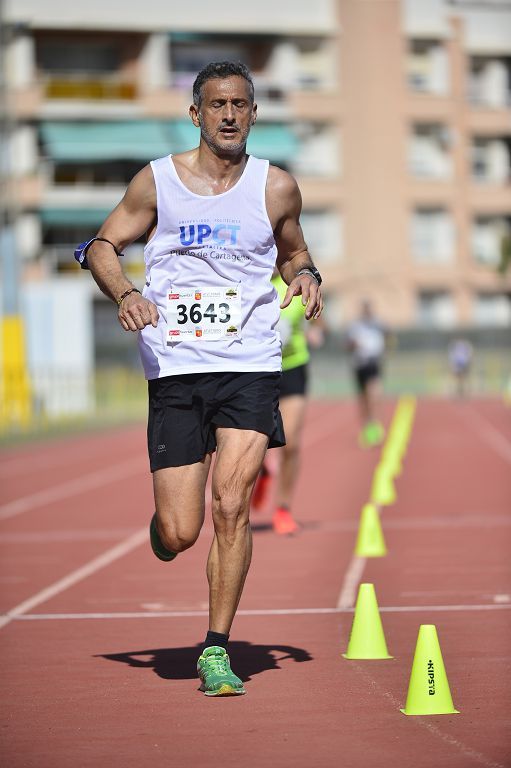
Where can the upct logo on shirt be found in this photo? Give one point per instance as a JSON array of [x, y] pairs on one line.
[[220, 234]]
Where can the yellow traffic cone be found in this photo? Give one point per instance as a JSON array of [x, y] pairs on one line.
[[367, 640], [428, 690], [383, 491], [370, 541]]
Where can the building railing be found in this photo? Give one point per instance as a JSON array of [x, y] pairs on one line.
[[94, 89]]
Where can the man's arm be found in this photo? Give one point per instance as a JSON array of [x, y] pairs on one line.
[[132, 218], [284, 204]]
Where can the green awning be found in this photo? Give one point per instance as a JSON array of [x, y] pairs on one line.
[[273, 142], [144, 140], [185, 136], [69, 217], [141, 140]]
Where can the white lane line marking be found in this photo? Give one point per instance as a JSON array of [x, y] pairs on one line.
[[76, 535], [74, 577], [79, 485], [423, 722], [73, 487], [350, 583], [256, 612], [37, 462], [110, 475], [491, 434]]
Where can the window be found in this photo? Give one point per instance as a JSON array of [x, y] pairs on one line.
[[435, 309], [319, 152], [323, 234], [492, 309], [429, 151], [277, 64], [58, 56], [83, 66], [488, 236], [427, 66], [490, 81], [432, 236], [491, 160]]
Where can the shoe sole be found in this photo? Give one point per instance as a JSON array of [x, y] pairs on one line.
[[224, 690]]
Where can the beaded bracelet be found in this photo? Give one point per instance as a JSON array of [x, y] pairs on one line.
[[126, 293]]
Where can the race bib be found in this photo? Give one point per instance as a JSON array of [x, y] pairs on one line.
[[203, 314]]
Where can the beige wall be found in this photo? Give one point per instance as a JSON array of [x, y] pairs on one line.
[[378, 194]]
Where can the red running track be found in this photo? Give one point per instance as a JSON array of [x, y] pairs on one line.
[[99, 639]]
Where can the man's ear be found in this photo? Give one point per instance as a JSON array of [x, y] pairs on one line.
[[194, 114], [254, 114]]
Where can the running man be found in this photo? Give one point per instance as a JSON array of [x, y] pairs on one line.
[[216, 221], [366, 342], [293, 400]]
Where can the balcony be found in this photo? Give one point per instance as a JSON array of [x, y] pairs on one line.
[[89, 89]]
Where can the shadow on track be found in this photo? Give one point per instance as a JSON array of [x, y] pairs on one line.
[[181, 663]]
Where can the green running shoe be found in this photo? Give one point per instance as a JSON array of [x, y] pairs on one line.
[[159, 550], [372, 434], [215, 673]]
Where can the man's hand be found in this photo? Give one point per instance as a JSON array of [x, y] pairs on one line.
[[306, 287], [136, 312]]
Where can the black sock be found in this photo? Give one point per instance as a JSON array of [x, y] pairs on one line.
[[215, 638]]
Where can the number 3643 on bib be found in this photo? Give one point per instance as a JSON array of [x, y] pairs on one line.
[[203, 314]]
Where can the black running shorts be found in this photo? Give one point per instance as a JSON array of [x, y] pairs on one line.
[[294, 381], [184, 412], [367, 372]]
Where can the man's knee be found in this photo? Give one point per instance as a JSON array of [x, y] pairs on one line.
[[230, 510], [176, 538]]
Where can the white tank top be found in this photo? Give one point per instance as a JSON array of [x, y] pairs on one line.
[[208, 270]]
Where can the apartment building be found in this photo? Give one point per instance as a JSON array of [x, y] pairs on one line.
[[394, 115]]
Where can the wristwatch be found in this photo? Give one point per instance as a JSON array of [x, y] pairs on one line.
[[311, 271]]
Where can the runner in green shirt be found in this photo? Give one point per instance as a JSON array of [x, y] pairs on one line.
[[292, 403]]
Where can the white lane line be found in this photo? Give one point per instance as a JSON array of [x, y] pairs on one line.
[[73, 487], [108, 557], [466, 750], [491, 434], [94, 480], [350, 583], [352, 579], [256, 612], [110, 475], [73, 535]]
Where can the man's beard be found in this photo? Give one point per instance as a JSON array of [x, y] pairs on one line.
[[232, 148]]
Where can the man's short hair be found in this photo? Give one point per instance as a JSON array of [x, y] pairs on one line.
[[220, 70]]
